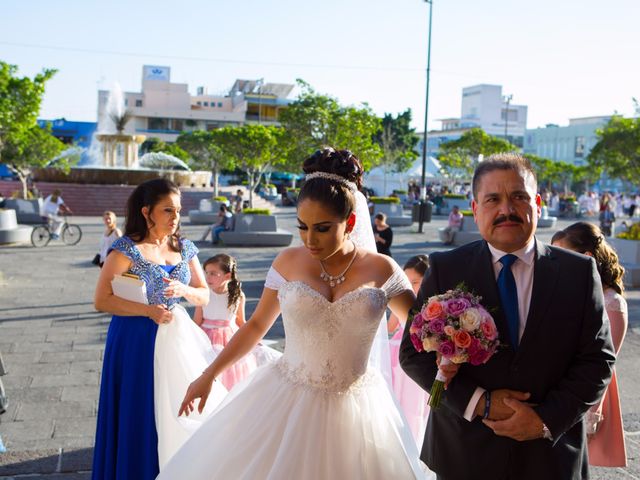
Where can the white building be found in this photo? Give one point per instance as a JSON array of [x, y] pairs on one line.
[[164, 109]]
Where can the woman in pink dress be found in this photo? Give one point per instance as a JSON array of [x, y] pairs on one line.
[[413, 399], [604, 420], [224, 313]]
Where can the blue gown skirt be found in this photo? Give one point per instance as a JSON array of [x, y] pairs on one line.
[[126, 444]]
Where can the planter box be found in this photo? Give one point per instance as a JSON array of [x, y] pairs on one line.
[[449, 203], [10, 231], [628, 250], [258, 230], [27, 211], [394, 212]]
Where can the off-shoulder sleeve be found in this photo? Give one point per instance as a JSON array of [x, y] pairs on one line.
[[189, 250], [274, 280], [125, 246], [396, 283]]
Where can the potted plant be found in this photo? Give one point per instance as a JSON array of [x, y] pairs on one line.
[[627, 245]]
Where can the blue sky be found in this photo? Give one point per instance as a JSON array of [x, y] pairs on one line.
[[563, 59]]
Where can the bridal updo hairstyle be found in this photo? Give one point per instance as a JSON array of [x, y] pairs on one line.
[[586, 237], [148, 194], [332, 193]]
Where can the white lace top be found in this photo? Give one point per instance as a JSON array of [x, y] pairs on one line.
[[328, 343], [217, 308]]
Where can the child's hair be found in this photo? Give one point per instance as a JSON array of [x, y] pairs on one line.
[[110, 213], [586, 237], [228, 264], [420, 263]]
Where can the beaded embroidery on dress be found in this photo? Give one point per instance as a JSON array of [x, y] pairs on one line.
[[318, 413]]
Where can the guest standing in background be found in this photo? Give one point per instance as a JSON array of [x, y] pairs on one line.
[[383, 234]]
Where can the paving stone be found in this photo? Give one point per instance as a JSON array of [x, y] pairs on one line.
[[75, 427], [73, 356], [57, 410], [23, 338], [65, 380], [41, 347], [10, 330], [80, 393], [10, 359], [41, 368], [33, 429], [88, 345], [12, 381], [80, 367], [36, 394], [25, 462], [75, 460]]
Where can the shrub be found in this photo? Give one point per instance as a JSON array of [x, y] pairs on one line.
[[632, 234], [384, 200], [400, 192], [467, 213], [293, 190], [256, 211], [221, 199], [455, 196]]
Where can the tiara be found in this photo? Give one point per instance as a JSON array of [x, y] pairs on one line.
[[332, 176]]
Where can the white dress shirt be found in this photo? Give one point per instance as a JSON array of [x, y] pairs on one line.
[[522, 270]]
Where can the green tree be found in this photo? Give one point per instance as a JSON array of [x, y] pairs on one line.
[[460, 157], [618, 149], [398, 141], [205, 153], [23, 144], [314, 120], [253, 148], [155, 144]]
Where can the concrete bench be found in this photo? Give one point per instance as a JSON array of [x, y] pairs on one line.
[[395, 214], [469, 233], [10, 231], [256, 230], [27, 211], [207, 214]]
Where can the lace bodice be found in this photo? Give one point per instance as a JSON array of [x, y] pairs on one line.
[[328, 343], [152, 273]]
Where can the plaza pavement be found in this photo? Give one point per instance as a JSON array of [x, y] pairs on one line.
[[52, 341]]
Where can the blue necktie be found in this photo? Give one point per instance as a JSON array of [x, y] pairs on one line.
[[509, 297]]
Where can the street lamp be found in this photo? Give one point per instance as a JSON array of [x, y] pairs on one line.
[[507, 99], [423, 185], [259, 84]]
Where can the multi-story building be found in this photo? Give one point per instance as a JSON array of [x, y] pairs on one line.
[[164, 109], [570, 144]]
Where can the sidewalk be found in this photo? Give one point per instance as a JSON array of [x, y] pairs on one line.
[[52, 341]]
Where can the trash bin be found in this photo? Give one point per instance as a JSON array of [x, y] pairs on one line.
[[426, 215]]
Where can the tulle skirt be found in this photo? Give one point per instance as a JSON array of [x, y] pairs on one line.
[[412, 399], [182, 352], [274, 427]]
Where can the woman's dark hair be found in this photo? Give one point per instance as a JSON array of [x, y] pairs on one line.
[[148, 194], [585, 237], [420, 263], [228, 264], [332, 193]]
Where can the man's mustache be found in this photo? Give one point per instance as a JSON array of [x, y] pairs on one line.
[[505, 218]]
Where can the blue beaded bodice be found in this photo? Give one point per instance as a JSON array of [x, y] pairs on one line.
[[152, 273]]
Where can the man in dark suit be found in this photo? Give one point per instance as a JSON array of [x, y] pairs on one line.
[[519, 416]]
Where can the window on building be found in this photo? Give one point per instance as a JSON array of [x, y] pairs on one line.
[[513, 115], [126, 102], [579, 147], [220, 104], [158, 124], [212, 126], [138, 103], [177, 124], [206, 104], [199, 104]]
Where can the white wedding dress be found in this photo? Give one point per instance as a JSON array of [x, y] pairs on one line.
[[317, 413]]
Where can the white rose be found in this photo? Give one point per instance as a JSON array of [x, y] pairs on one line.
[[470, 319], [430, 344]]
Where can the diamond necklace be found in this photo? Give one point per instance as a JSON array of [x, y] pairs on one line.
[[334, 280]]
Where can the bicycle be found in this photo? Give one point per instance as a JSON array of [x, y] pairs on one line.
[[42, 234]]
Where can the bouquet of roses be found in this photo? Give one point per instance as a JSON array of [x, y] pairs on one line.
[[458, 327]]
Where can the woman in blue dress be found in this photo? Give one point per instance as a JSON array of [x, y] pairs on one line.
[[126, 444]]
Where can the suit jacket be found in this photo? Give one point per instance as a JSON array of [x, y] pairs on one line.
[[564, 360]]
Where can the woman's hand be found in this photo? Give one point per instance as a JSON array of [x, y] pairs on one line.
[[449, 370], [199, 388], [174, 288], [160, 314]]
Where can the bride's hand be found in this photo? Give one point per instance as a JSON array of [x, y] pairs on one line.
[[199, 388]]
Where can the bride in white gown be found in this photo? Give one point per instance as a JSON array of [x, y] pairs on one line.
[[318, 412]]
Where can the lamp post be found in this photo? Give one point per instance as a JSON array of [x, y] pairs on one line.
[[507, 99], [423, 184], [259, 84]]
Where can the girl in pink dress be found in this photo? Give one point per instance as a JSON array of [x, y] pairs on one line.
[[224, 313], [605, 431], [413, 399]]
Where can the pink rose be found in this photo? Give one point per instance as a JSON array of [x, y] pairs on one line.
[[417, 343], [418, 321], [474, 346], [456, 306], [489, 329], [447, 348], [433, 310], [479, 357], [462, 339], [437, 326], [449, 330]]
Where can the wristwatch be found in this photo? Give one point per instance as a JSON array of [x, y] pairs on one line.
[[546, 433]]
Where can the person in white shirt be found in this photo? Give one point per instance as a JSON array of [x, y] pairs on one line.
[[111, 234], [52, 207]]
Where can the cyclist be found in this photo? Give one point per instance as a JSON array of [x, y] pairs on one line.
[[52, 207]]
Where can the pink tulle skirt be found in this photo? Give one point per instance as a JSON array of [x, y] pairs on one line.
[[413, 399], [220, 332]]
